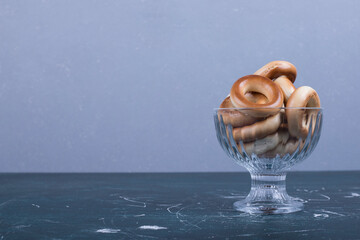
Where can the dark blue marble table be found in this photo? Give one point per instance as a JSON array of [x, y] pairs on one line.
[[172, 206]]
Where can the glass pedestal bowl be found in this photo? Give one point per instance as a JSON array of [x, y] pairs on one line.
[[268, 151]]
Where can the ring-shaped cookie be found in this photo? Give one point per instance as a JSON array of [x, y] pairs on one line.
[[276, 69], [257, 130], [299, 119], [286, 87], [256, 97], [257, 84], [265, 144], [285, 148], [234, 117]]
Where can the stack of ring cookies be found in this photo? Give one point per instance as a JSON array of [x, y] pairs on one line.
[[255, 109]]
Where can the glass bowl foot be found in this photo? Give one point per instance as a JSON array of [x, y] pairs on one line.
[[265, 208], [268, 196]]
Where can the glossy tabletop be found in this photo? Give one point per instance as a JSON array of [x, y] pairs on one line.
[[172, 206]]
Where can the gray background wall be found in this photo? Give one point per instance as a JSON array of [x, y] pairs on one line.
[[131, 85]]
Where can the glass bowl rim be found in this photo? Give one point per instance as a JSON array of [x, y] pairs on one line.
[[254, 108]]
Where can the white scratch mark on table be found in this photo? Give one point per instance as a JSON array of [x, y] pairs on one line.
[[233, 196], [103, 220], [352, 195], [152, 227], [184, 221], [179, 216], [139, 215], [134, 201], [50, 221], [108, 230], [22, 226], [327, 198], [173, 206], [246, 235], [334, 213], [296, 231], [5, 203]]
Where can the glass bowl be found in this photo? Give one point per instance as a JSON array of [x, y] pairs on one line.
[[268, 147]]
